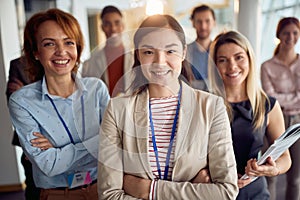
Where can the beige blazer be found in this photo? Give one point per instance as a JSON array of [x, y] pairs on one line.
[[203, 139]]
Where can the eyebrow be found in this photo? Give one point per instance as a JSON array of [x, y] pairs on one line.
[[167, 46], [236, 54], [52, 39]]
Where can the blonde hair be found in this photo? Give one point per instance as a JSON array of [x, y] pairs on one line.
[[256, 95]]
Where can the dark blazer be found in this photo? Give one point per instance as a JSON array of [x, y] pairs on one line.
[[17, 78]]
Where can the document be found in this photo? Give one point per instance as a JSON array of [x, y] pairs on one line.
[[280, 145]]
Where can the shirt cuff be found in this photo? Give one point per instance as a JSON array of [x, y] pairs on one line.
[[153, 187]]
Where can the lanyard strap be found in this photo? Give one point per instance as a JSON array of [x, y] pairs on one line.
[[64, 123], [171, 139]]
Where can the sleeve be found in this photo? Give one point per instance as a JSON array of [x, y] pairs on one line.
[[110, 163], [14, 80], [104, 98], [85, 69], [92, 66], [222, 166], [49, 161], [153, 188], [286, 100]]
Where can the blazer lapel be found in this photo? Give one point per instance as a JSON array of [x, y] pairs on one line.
[[141, 119], [185, 116]]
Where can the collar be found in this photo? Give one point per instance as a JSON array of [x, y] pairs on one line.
[[81, 89]]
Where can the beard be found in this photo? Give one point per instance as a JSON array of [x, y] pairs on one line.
[[202, 35]]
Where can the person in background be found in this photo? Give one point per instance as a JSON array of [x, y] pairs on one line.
[[280, 77], [61, 107], [204, 20], [156, 141], [253, 114], [18, 78], [114, 60]]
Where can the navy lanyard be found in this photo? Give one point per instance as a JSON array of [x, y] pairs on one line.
[[64, 123], [171, 139]]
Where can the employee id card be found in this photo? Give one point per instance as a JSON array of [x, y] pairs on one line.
[[79, 179]]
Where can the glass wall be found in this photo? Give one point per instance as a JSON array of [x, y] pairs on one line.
[[272, 12]]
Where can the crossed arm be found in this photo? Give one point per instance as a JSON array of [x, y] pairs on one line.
[[140, 188]]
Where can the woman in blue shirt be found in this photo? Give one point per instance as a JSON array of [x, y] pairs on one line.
[[65, 109]]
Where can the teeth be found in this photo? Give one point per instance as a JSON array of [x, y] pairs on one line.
[[233, 74], [61, 62], [114, 35], [160, 73]]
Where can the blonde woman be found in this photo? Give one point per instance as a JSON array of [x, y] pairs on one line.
[[252, 113]]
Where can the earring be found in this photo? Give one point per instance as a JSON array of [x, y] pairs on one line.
[[36, 58]]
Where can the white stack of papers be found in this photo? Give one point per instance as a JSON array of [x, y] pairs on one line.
[[280, 145]]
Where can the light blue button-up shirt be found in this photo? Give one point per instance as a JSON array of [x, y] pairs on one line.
[[31, 111]]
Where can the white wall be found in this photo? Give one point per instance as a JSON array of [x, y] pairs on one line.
[[10, 168], [249, 22]]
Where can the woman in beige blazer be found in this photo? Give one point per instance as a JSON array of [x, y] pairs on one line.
[[133, 163]]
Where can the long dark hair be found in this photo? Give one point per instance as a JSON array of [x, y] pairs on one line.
[[150, 24], [66, 21]]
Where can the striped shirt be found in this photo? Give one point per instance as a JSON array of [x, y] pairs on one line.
[[163, 114]]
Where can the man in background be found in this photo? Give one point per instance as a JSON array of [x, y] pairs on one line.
[[17, 79], [111, 62], [203, 19]]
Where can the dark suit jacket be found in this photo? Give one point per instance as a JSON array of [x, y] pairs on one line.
[[17, 78]]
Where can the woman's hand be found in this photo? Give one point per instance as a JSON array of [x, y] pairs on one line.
[[243, 182], [268, 169], [203, 176], [136, 187], [41, 141]]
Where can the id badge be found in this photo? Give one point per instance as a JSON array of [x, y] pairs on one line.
[[79, 179]]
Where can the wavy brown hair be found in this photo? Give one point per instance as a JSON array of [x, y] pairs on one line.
[[69, 25]]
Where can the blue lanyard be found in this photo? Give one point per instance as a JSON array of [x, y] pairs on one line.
[[64, 123], [171, 139]]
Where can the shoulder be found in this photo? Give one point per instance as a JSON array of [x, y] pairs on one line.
[[28, 92], [191, 45], [91, 82], [268, 62], [203, 98], [270, 103], [97, 51], [96, 56], [17, 63]]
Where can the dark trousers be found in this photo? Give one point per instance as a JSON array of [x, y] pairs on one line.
[[293, 174], [31, 191], [257, 190]]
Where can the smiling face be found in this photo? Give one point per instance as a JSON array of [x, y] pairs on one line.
[[233, 64], [289, 36], [55, 50], [112, 26], [204, 23], [161, 54]]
